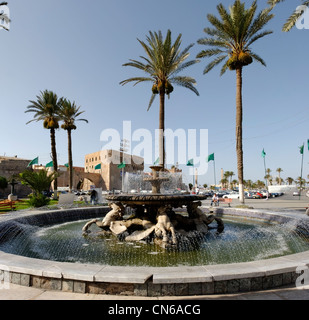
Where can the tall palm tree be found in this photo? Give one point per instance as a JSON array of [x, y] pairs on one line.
[[231, 38], [69, 114], [46, 109], [163, 62], [291, 21], [279, 170]]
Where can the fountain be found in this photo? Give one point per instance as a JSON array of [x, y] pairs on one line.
[[257, 250], [155, 217], [179, 253]]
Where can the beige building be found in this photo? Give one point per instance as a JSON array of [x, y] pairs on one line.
[[106, 164]]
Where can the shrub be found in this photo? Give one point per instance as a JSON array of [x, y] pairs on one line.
[[38, 200]]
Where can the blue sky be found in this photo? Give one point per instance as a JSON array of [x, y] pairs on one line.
[[77, 48]]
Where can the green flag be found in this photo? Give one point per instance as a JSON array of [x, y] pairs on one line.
[[49, 164], [301, 149], [263, 153], [34, 161], [97, 167], [211, 157], [66, 165], [121, 165], [156, 162], [190, 163]]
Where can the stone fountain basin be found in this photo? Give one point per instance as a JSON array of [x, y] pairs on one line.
[[148, 281], [175, 200]]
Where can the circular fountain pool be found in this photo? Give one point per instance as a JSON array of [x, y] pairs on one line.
[[241, 241], [35, 244]]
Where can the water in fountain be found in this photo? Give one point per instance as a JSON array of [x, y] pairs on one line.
[[137, 182], [241, 241]]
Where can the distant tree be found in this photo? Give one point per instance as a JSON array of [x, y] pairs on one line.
[[279, 170], [289, 180], [234, 183], [301, 182], [260, 184], [224, 182], [46, 109], [248, 184], [69, 113]]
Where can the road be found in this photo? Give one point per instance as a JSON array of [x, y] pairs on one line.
[[286, 202]]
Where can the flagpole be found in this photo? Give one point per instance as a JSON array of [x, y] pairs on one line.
[[301, 172], [122, 174], [265, 173], [215, 174], [193, 178]]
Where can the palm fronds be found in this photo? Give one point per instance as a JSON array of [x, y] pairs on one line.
[[232, 34], [163, 61], [294, 17]]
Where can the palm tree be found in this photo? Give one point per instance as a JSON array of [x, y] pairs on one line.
[[224, 182], [69, 114], [228, 175], [291, 21], [301, 182], [46, 109], [231, 38], [38, 181], [234, 183], [4, 17], [289, 180], [260, 184], [268, 177], [279, 170], [249, 184], [163, 63]]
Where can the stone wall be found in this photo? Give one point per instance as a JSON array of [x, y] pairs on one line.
[[10, 167]]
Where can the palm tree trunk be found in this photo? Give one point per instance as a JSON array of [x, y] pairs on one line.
[[239, 149], [162, 127], [54, 156], [70, 160]]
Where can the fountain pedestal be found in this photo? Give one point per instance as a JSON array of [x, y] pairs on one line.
[[154, 217], [156, 180]]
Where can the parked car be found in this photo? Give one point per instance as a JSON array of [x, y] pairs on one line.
[[248, 195], [232, 195], [257, 195], [296, 193]]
